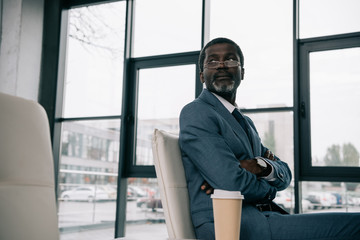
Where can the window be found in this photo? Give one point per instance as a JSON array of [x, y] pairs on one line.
[[327, 116], [87, 188], [328, 87], [335, 73], [101, 129], [330, 196], [159, 105], [276, 132], [94, 64], [144, 210], [328, 17], [90, 119], [119, 64], [170, 27]]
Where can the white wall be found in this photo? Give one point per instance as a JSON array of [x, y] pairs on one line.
[[20, 50]]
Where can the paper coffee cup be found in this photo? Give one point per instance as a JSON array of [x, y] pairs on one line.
[[227, 207]]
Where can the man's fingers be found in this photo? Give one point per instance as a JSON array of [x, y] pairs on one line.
[[267, 154], [271, 156], [206, 188], [210, 191]]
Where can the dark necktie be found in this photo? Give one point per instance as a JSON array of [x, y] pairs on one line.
[[241, 120]]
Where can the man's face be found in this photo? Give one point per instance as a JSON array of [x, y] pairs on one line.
[[222, 80]]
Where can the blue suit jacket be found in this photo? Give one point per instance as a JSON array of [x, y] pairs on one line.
[[212, 142]]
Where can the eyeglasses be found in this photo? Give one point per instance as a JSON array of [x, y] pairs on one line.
[[227, 63]]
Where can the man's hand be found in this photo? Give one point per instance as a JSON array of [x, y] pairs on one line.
[[251, 166], [207, 188], [269, 155]]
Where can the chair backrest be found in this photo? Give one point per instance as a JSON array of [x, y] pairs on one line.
[[172, 185], [27, 192]]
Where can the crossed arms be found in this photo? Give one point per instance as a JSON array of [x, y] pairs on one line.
[[249, 165]]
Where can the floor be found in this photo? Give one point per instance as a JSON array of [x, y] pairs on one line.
[[148, 231]]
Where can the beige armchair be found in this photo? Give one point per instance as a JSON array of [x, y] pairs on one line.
[[172, 184], [27, 193]]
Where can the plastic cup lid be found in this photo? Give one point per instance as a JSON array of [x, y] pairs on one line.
[[223, 194]]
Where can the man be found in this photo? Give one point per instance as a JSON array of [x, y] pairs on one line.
[[221, 149]]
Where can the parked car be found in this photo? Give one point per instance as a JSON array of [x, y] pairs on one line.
[[306, 205], [85, 193], [111, 191], [285, 200], [152, 202], [352, 199], [134, 192], [321, 200]]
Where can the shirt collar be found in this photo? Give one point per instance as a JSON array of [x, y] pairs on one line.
[[224, 102]]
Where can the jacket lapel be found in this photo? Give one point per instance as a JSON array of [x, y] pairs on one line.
[[210, 99]]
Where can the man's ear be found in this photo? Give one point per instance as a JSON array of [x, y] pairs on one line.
[[242, 73], [202, 77]]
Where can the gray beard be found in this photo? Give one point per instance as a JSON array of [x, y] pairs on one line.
[[225, 89]]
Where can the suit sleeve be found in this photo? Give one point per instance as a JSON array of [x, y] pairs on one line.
[[282, 173], [203, 143]]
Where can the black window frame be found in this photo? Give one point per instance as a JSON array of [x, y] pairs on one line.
[[130, 110], [307, 171]]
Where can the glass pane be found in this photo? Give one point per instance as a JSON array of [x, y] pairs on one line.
[[94, 66], [170, 27], [276, 132], [335, 116], [286, 199], [263, 31], [88, 178], [328, 17], [144, 213], [330, 197], [163, 92]]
